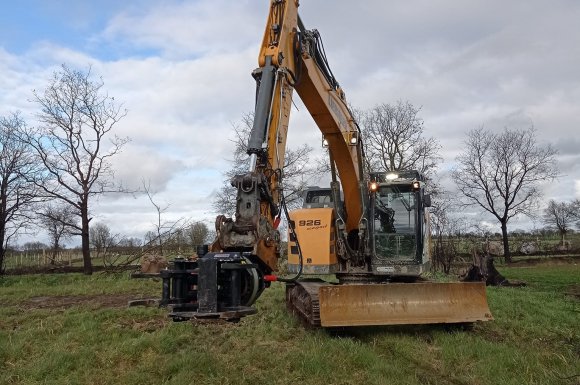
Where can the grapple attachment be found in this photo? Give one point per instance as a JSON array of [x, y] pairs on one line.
[[216, 286], [403, 303]]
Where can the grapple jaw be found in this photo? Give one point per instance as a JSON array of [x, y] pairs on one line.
[[216, 286], [403, 303]]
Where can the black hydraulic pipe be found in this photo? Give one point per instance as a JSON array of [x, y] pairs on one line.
[[262, 111]]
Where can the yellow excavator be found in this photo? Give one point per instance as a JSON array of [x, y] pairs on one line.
[[369, 229]]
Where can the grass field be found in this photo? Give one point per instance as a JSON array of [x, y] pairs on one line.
[[72, 329]]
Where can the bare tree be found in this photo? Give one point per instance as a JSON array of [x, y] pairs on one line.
[[150, 238], [100, 237], [18, 192], [560, 216], [176, 240], [59, 222], [576, 211], [130, 242], [297, 170], [75, 144], [34, 246], [394, 140], [198, 234], [446, 230], [161, 226], [500, 173]]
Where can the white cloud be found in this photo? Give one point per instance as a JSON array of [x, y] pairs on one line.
[[137, 164], [190, 29]]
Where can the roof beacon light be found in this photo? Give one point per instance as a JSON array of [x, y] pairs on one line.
[[391, 176], [352, 138]]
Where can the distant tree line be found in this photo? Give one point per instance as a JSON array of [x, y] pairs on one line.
[[104, 244]]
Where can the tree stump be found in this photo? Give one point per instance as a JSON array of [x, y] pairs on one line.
[[483, 269]]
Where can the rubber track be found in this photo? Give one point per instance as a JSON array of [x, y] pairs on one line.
[[302, 300]]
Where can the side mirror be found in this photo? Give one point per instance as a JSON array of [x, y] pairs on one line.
[[427, 200]]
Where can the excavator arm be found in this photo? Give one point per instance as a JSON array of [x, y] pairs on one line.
[[232, 272], [291, 58]]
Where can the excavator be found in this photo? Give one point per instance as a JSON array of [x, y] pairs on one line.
[[368, 232]]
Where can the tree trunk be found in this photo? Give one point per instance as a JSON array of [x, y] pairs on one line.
[[54, 252], [2, 255], [159, 239], [85, 242], [2, 232], [493, 277], [506, 246], [2, 249]]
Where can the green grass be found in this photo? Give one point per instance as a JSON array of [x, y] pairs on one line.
[[533, 340]]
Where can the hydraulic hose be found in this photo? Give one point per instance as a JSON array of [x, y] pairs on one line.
[[291, 226]]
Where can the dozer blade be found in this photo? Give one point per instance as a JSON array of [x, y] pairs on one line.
[[403, 303]]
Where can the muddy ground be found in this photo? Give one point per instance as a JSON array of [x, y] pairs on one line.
[[63, 302]]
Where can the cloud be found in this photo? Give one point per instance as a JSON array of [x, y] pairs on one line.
[[184, 30], [17, 80], [136, 164], [186, 197], [188, 104]]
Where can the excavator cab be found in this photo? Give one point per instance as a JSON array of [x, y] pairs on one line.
[[400, 224], [398, 232], [316, 197]]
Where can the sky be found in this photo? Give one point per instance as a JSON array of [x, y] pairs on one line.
[[182, 70]]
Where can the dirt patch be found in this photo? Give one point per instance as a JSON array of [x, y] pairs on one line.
[[574, 291], [148, 326], [63, 269], [63, 302]]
